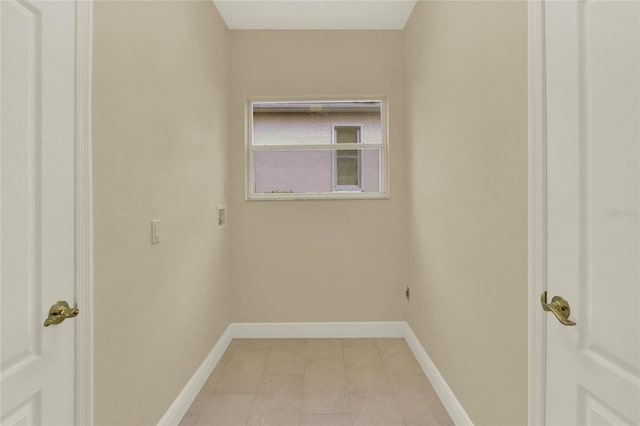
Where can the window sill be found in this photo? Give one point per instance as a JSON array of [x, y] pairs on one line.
[[342, 195]]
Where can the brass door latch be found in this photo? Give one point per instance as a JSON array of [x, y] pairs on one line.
[[59, 312], [559, 307]]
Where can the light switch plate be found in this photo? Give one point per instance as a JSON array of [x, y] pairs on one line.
[[222, 217], [155, 231]]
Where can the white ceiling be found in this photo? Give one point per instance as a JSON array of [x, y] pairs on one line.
[[315, 14]]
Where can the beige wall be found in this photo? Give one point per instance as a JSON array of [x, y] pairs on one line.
[[466, 80], [159, 140], [317, 260]]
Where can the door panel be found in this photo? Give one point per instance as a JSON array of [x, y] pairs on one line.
[[610, 168], [593, 160], [37, 196], [21, 186]]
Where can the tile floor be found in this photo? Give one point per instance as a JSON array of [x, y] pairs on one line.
[[317, 382]]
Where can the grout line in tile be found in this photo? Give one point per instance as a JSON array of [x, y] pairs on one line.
[[264, 370], [253, 402], [304, 375], [262, 376], [344, 363], [395, 397], [393, 391]]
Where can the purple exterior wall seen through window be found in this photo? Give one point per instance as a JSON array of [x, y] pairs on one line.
[[308, 171]]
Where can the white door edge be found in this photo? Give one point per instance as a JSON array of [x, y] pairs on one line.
[[84, 214], [537, 213]]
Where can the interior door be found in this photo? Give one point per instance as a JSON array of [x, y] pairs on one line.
[[593, 190], [37, 264]]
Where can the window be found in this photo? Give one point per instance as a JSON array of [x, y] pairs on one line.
[[316, 149], [346, 163]]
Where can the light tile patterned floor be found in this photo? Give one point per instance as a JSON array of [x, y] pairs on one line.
[[317, 382]]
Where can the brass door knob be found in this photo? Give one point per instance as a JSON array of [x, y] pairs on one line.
[[59, 312], [559, 307]]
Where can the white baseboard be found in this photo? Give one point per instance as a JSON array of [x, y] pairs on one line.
[[185, 398], [449, 400], [280, 330], [384, 329]]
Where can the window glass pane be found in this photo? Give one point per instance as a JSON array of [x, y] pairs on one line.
[[347, 134], [292, 171], [370, 170], [293, 123], [348, 171], [311, 171]]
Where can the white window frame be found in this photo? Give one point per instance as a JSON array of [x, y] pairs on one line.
[[251, 195], [334, 161]]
